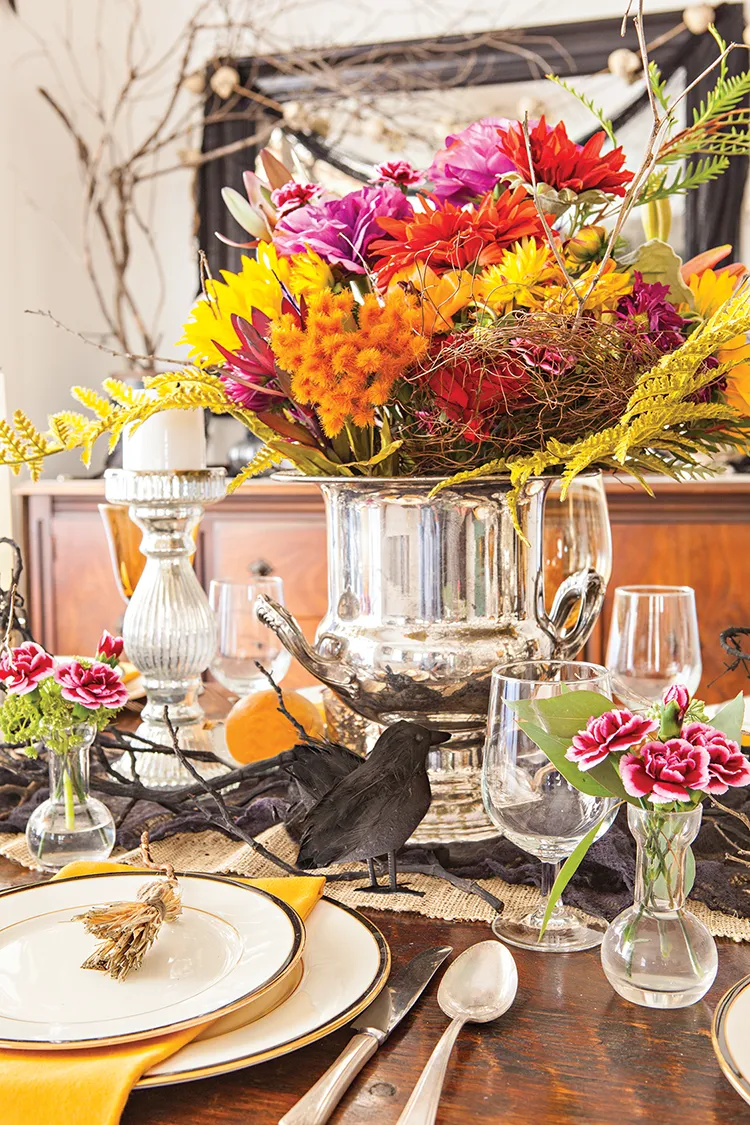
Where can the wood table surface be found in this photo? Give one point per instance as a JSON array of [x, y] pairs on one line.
[[569, 1052]]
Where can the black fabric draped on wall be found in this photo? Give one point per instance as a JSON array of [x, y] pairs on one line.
[[713, 211]]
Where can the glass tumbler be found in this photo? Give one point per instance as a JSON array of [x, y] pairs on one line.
[[242, 639]]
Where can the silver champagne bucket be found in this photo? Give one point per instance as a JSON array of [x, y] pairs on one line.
[[427, 594]]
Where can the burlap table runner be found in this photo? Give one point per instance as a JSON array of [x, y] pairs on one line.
[[211, 852]]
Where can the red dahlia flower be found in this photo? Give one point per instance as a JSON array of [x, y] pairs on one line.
[[472, 395], [561, 163], [452, 238]]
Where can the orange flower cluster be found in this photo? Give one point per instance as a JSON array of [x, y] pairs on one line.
[[345, 358]]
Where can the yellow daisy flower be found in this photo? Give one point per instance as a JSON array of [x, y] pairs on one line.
[[608, 290], [710, 291], [518, 279], [256, 286]]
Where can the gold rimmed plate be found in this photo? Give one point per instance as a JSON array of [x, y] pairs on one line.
[[231, 944], [346, 964], [730, 1035]]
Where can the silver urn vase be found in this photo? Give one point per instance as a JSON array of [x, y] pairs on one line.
[[426, 594]]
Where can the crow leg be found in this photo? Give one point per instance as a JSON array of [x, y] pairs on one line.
[[394, 887]]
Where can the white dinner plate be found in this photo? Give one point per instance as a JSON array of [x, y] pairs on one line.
[[346, 963], [731, 1036], [231, 943]]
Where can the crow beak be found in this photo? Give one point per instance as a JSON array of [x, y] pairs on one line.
[[438, 736]]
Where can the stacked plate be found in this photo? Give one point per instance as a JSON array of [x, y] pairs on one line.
[[238, 960]]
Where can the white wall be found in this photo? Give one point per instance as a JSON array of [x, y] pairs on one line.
[[40, 190]]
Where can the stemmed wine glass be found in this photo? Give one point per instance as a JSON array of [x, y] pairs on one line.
[[653, 642], [242, 639], [531, 802]]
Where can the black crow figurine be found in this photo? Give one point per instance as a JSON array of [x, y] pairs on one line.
[[373, 809]]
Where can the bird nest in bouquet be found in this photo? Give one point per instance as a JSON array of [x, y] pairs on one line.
[[518, 383]]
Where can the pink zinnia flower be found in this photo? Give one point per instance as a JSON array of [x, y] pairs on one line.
[[608, 734], [109, 649], [399, 172], [24, 667], [680, 695], [471, 163], [94, 687], [727, 764], [666, 771], [291, 196]]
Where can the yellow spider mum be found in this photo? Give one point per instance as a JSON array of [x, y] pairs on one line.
[[737, 392], [440, 296], [519, 278], [346, 364], [610, 287], [256, 286]]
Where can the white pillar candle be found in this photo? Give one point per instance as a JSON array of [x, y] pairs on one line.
[[173, 440]]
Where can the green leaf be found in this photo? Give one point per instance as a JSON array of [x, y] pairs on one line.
[[568, 870], [657, 261], [728, 719], [607, 775], [565, 715]]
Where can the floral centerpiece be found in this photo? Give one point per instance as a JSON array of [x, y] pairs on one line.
[[62, 703], [482, 316], [664, 764]]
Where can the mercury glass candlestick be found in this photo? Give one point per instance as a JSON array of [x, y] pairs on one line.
[[169, 629]]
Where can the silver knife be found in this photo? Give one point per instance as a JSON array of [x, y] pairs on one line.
[[373, 1026]]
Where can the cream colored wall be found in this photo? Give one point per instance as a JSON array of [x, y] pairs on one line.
[[40, 191]]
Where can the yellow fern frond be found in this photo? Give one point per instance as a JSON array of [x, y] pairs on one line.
[[264, 459]]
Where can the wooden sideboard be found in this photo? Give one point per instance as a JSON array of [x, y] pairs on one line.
[[695, 534]]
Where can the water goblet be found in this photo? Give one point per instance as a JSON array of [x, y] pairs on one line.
[[242, 639], [531, 802], [653, 643]]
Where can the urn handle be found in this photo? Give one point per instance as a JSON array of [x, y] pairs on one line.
[[328, 668], [585, 588]]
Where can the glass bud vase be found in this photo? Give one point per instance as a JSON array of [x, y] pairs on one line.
[[70, 825], [656, 953]]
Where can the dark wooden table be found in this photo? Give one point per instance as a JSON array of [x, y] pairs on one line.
[[569, 1052]]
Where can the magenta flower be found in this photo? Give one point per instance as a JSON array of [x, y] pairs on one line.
[[610, 733], [399, 172], [471, 163], [666, 771], [94, 687], [109, 649], [24, 667], [648, 312], [680, 695], [727, 765], [291, 196], [340, 230]]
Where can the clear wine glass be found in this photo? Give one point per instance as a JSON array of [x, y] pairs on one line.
[[653, 643], [531, 802], [242, 639]]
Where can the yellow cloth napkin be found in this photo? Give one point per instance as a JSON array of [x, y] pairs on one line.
[[91, 1087]]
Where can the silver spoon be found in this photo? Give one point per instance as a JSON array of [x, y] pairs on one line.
[[479, 986]]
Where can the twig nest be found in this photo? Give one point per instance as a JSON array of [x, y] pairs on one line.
[[625, 64], [698, 18], [224, 81], [195, 83]]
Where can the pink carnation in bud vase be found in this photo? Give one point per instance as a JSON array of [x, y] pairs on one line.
[[666, 771], [610, 733], [399, 172], [727, 765], [94, 687], [680, 695], [23, 668], [291, 196], [109, 648]]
